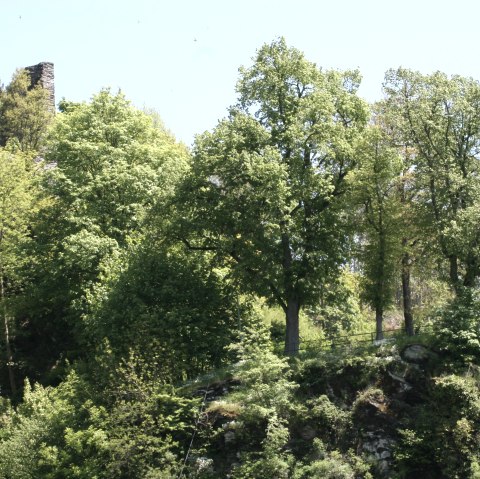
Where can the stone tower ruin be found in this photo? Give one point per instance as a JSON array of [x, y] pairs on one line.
[[42, 74]]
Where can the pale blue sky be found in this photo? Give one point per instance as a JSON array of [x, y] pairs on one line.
[[181, 57]]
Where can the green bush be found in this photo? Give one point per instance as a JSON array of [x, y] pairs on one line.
[[72, 431], [442, 439], [332, 465], [458, 328]]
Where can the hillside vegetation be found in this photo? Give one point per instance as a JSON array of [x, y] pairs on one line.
[[294, 296]]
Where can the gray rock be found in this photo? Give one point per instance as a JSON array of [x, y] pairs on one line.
[[379, 447], [417, 354], [229, 437], [400, 381]]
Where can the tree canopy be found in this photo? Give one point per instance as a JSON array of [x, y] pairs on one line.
[[150, 291], [25, 113], [440, 118], [269, 178], [108, 164]]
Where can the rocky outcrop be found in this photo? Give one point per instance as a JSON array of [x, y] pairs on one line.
[[379, 447], [375, 421], [417, 354], [379, 410], [359, 403]]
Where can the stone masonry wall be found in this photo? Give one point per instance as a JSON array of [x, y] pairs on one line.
[[43, 74]]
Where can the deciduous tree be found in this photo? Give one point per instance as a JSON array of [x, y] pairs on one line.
[[440, 117], [265, 185], [375, 184], [17, 204], [25, 113], [109, 164]]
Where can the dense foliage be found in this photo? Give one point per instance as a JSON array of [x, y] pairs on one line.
[[211, 313]]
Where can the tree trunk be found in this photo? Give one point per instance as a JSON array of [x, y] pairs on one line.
[[380, 280], [407, 295], [292, 336], [453, 272], [471, 271], [379, 323], [8, 349], [292, 307]]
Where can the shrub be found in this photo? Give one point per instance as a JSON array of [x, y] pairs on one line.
[[458, 328]]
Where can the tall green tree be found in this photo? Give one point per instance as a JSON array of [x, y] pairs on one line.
[[266, 184], [412, 224], [25, 113], [17, 205], [375, 185], [411, 233], [440, 118], [108, 165]]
